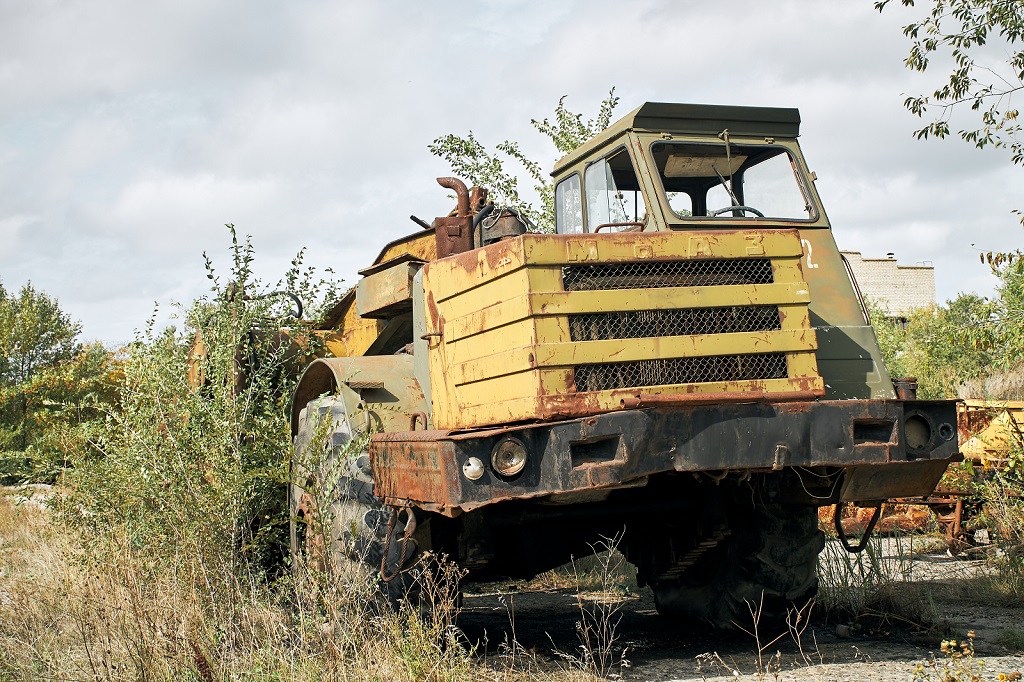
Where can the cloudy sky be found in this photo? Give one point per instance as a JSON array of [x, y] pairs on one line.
[[130, 132]]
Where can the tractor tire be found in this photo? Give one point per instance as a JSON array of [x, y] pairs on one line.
[[339, 528], [755, 577]]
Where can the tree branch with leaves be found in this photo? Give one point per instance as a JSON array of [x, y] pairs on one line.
[[962, 29], [474, 163]]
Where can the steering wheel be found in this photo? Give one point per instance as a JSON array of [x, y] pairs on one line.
[[736, 208]]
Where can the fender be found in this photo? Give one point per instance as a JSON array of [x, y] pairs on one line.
[[383, 386]]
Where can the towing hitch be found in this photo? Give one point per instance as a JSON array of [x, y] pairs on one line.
[[859, 547]]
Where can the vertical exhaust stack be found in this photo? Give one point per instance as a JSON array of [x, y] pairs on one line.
[[454, 234]]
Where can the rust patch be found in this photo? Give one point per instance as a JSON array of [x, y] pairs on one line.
[[971, 420], [454, 235], [895, 517], [656, 400], [500, 254], [426, 466], [417, 435], [414, 467], [477, 199]]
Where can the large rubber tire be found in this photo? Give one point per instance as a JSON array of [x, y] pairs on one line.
[[767, 565], [331, 481]]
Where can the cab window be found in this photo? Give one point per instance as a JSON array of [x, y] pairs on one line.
[[613, 194], [709, 181], [568, 206]]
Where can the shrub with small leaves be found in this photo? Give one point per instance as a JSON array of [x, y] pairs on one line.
[[192, 464]]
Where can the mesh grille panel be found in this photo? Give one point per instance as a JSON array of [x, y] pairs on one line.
[[658, 274], [680, 371], [644, 324]]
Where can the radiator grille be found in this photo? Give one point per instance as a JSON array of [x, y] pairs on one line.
[[659, 274], [643, 324], [610, 376]]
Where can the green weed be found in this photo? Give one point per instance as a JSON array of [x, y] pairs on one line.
[[875, 587]]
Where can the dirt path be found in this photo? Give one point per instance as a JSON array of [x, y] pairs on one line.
[[544, 623]]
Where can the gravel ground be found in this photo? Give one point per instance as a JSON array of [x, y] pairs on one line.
[[545, 624]]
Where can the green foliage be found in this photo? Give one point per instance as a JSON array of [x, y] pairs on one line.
[[58, 410], [49, 383], [1009, 322], [963, 342], [963, 29], [471, 161], [172, 508], [942, 346], [194, 471], [973, 347], [35, 334], [569, 131]]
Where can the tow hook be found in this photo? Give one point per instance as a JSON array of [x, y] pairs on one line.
[[859, 547]]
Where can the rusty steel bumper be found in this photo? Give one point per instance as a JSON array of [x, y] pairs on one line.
[[886, 448]]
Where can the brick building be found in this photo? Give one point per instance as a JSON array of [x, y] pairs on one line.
[[898, 289]]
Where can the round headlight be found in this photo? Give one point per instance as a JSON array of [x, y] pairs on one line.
[[473, 469], [508, 457]]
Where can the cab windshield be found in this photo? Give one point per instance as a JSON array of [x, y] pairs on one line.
[[709, 181]]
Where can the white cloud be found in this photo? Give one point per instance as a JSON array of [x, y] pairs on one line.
[[130, 132], [11, 228]]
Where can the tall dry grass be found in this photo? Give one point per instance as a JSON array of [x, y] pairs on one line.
[[878, 583], [101, 610], [109, 614]]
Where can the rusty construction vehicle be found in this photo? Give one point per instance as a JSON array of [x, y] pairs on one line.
[[684, 365]]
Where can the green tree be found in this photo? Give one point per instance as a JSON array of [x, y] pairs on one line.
[[471, 161], [35, 334], [1009, 316], [935, 346], [982, 79], [46, 378], [60, 409]]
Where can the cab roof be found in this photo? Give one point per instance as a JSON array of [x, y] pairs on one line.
[[693, 119]]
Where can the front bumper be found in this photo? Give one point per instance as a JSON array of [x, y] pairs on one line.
[[887, 448]]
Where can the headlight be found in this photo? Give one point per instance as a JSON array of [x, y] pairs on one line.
[[508, 457], [473, 469]]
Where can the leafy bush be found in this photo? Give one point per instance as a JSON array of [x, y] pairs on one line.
[[933, 345], [56, 412], [471, 161], [191, 466]]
